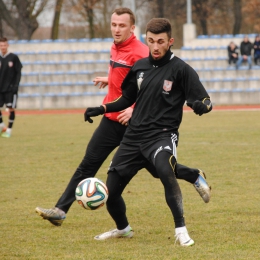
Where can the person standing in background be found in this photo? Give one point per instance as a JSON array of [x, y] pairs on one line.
[[10, 76]]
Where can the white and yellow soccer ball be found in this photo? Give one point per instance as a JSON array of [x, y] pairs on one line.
[[91, 193]]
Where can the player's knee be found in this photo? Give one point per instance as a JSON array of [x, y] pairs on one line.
[[165, 157], [165, 162], [114, 183]]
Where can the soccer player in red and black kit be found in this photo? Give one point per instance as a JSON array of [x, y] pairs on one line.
[[152, 134], [125, 51], [10, 76]]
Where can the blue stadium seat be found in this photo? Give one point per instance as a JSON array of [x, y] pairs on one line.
[[239, 36], [27, 95], [227, 36], [22, 41], [72, 40], [186, 48], [83, 40], [199, 48], [203, 37], [215, 36], [12, 41], [252, 35], [47, 40], [35, 41], [59, 40], [96, 40], [108, 39]]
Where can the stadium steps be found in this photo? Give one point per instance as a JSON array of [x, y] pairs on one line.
[[218, 40], [59, 73], [60, 45]]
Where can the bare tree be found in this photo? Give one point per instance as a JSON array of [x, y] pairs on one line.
[[22, 15], [56, 20], [202, 10], [1, 27], [160, 9], [237, 15], [85, 8], [251, 16]]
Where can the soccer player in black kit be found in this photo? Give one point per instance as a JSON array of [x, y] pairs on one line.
[[159, 85], [10, 76]]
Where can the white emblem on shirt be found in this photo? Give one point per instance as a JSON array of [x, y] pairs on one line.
[[140, 79], [167, 86], [10, 64]]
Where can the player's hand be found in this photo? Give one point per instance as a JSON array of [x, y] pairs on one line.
[[101, 82], [125, 115], [93, 111], [201, 107]]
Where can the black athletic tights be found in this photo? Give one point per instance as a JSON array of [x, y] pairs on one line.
[[116, 184], [105, 139]]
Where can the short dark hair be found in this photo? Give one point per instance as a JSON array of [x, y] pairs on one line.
[[3, 39], [159, 25], [125, 10]]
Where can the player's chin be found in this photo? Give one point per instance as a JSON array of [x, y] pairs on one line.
[[156, 56]]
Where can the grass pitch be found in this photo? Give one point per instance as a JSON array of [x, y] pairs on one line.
[[37, 162]]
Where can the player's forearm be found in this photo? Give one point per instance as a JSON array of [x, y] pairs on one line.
[[118, 105]]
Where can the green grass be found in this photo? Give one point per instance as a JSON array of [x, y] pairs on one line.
[[37, 162]]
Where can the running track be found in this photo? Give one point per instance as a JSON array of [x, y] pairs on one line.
[[81, 111]]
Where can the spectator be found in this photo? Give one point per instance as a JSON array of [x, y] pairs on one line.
[[10, 75], [232, 53], [245, 51], [257, 50]]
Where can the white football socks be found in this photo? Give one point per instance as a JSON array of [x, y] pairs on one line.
[[9, 130], [125, 230], [181, 230]]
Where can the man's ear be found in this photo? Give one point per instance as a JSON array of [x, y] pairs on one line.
[[132, 28], [171, 41]]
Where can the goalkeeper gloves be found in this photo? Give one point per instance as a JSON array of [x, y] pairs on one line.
[[93, 111], [201, 107]]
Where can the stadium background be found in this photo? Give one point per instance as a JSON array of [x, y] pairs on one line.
[[58, 74]]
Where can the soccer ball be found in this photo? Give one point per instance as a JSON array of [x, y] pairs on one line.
[[91, 193]]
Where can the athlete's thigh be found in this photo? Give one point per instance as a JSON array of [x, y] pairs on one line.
[[151, 169], [107, 135], [127, 160], [154, 147]]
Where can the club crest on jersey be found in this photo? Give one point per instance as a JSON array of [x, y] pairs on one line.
[[167, 85], [10, 64], [140, 79]]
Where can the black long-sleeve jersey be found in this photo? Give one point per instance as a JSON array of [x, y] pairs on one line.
[[10, 72], [160, 89]]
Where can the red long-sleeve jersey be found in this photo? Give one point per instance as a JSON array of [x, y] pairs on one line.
[[122, 58]]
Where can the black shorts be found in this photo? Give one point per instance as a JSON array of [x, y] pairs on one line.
[[8, 99], [132, 157]]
